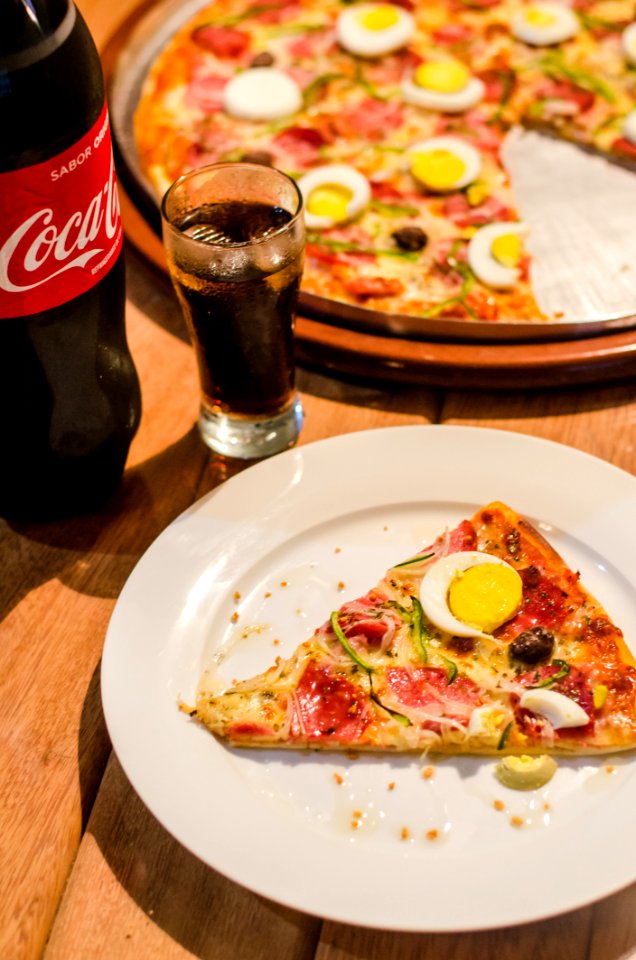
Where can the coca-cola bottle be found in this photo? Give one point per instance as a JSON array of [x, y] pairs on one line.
[[69, 394]]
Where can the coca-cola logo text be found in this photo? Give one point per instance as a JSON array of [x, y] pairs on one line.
[[59, 235], [38, 244]]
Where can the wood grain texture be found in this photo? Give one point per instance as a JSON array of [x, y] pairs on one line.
[[600, 420], [564, 938], [151, 898], [614, 927]]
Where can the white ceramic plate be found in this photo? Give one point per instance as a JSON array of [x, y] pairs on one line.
[[286, 535]]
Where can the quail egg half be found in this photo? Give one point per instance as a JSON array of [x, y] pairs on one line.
[[495, 252], [443, 164], [373, 29], [629, 127], [470, 593], [628, 42], [443, 84], [545, 23], [262, 93], [333, 194]]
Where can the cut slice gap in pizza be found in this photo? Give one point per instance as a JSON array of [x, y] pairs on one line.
[[485, 642]]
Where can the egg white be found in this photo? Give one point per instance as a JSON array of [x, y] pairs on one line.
[[628, 42], [629, 127], [436, 584], [262, 93], [338, 174], [355, 38], [456, 102], [466, 153], [560, 710], [481, 260], [566, 25]]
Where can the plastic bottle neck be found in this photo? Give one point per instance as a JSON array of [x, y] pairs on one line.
[[32, 29]]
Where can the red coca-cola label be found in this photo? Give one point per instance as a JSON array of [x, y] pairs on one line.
[[60, 227]]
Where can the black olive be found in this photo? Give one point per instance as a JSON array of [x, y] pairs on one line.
[[258, 156], [264, 59], [410, 238], [532, 646]]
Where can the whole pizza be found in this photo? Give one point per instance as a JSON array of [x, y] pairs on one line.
[[391, 118]]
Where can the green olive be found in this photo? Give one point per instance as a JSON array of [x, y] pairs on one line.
[[525, 773]]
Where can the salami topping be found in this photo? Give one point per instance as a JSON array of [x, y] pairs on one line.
[[223, 42], [370, 118], [329, 706]]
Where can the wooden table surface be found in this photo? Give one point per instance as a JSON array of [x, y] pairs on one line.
[[85, 870]]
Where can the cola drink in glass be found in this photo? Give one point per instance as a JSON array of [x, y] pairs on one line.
[[234, 238], [69, 393]]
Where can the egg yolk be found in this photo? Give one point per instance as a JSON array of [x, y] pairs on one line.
[[380, 17], [438, 169], [506, 250], [537, 17], [485, 596], [477, 193], [442, 76], [493, 721], [330, 200]]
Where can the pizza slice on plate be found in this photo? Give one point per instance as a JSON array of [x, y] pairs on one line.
[[486, 642]]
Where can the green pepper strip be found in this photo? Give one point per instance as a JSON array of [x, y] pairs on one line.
[[564, 669], [393, 209], [312, 91], [556, 67], [360, 79], [396, 716], [233, 20], [503, 739], [418, 629], [291, 29], [467, 282], [402, 612], [507, 85], [452, 670], [337, 629], [589, 21], [345, 247], [408, 563]]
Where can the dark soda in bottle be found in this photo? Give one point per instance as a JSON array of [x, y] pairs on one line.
[[69, 393]]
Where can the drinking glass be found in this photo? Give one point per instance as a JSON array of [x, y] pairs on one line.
[[234, 237]]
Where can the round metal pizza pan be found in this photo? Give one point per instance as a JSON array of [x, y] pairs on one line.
[[143, 35]]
